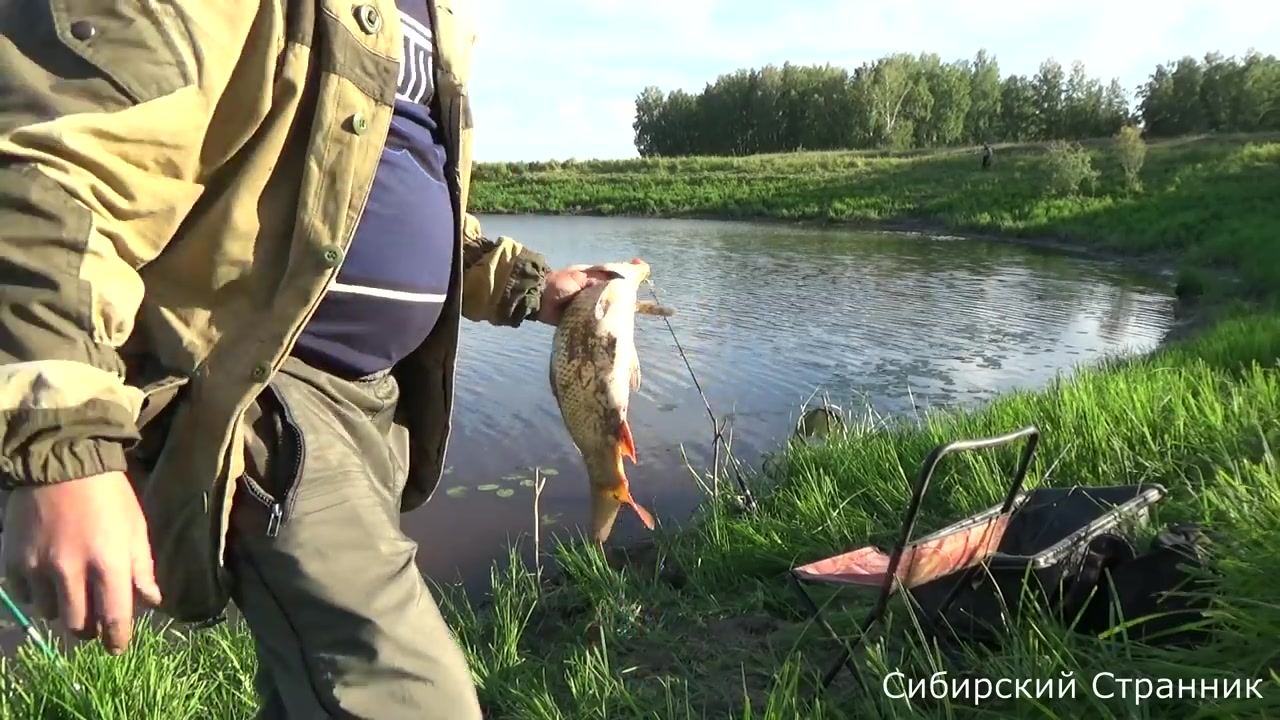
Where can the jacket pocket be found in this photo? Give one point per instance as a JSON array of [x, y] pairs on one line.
[[134, 44], [273, 459], [183, 511], [195, 586]]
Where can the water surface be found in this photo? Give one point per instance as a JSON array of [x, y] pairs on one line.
[[767, 314]]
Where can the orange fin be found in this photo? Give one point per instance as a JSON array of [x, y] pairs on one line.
[[645, 516], [628, 443]]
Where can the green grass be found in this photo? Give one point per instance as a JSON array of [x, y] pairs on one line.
[[1211, 201], [702, 625]]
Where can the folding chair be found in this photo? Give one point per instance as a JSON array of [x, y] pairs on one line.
[[958, 550]]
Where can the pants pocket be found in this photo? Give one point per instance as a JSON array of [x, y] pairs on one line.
[[273, 459]]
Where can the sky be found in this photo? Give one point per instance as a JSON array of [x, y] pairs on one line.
[[557, 79]]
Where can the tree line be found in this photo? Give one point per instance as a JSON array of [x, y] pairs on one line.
[[904, 100]]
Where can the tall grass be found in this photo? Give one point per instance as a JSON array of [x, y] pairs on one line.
[[701, 623]]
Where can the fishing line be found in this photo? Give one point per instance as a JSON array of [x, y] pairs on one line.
[[745, 492]]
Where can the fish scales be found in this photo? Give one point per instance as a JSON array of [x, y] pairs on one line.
[[594, 370]]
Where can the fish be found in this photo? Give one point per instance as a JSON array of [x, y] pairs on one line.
[[594, 371]]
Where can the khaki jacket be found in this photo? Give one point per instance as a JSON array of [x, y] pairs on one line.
[[179, 183]]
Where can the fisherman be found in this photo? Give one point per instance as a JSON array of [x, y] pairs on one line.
[[235, 251], [986, 156]]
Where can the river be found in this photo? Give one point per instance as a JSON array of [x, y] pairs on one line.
[[768, 314]]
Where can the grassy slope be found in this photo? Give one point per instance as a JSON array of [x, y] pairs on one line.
[[703, 626], [1210, 201]]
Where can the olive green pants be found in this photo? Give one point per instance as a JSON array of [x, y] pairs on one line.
[[344, 625]]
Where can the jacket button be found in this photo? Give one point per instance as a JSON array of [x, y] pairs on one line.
[[332, 256], [368, 18], [359, 124], [83, 30], [261, 371]]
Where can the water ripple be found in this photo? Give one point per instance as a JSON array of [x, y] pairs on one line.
[[767, 315]]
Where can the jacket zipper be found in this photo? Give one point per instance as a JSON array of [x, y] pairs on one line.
[[283, 506], [272, 505]]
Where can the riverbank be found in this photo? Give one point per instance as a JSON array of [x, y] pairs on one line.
[[1203, 206], [702, 624]]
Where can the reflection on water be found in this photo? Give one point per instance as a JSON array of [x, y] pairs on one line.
[[768, 314]]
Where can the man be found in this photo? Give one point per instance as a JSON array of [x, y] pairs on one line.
[[234, 254], [986, 156]]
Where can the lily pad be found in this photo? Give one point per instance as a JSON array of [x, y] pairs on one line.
[[456, 491], [550, 519], [506, 493], [514, 477], [549, 472], [488, 487], [527, 482]]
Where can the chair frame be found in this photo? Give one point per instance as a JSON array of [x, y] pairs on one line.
[[892, 582]]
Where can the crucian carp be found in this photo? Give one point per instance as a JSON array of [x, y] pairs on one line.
[[594, 371]]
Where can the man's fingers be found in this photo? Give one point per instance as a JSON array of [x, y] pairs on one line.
[[144, 571], [72, 599], [45, 599], [116, 632], [112, 592]]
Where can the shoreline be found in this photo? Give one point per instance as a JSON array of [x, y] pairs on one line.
[[1155, 265], [1192, 315]]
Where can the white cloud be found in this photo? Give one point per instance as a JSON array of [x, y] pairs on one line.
[[557, 78]]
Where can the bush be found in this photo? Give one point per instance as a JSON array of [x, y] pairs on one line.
[[1070, 166], [1132, 151]]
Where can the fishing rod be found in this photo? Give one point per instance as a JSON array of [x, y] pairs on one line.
[[745, 495], [35, 637], [29, 628]]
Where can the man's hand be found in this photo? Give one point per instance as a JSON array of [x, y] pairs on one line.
[[77, 551], [563, 285]]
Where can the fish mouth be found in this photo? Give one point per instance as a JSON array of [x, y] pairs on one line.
[[641, 269], [633, 271]]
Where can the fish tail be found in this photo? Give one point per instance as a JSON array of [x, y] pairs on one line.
[[646, 517], [607, 500], [622, 493]]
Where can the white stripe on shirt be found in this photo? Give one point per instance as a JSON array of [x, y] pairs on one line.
[[387, 294]]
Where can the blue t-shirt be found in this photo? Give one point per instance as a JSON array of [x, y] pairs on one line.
[[390, 290]]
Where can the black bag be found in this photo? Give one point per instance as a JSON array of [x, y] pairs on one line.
[[1165, 590], [1070, 553]]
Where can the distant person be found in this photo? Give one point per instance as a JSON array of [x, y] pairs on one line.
[[986, 156], [235, 253]]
